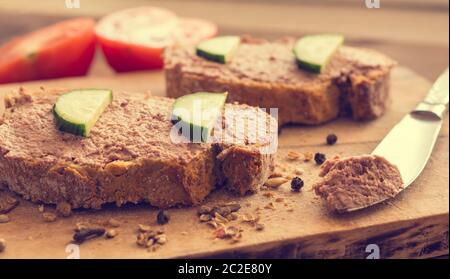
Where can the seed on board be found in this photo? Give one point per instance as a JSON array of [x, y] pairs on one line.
[[234, 207], [259, 226], [204, 209], [162, 217], [231, 231], [268, 194], [219, 218], [293, 155], [296, 184], [270, 205], [2, 245], [308, 156], [331, 139], [205, 218], [320, 158], [276, 174], [49, 217], [299, 171], [85, 234], [161, 238], [249, 218], [144, 228], [80, 226], [4, 218], [64, 209], [41, 208], [111, 233], [275, 182]]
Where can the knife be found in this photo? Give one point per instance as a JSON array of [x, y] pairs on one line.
[[410, 143]]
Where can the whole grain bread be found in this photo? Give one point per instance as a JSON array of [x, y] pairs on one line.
[[264, 73], [129, 155], [358, 181]]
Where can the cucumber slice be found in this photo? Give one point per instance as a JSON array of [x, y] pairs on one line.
[[77, 111], [198, 113], [219, 49], [314, 52]]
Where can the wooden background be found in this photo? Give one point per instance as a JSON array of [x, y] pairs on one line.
[[414, 32]]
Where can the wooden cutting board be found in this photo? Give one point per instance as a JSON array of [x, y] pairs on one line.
[[413, 225]]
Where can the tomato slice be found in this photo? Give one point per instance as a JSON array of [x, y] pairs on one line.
[[134, 39], [63, 49]]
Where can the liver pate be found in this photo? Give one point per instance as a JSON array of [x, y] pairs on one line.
[[356, 182], [265, 74], [128, 157]]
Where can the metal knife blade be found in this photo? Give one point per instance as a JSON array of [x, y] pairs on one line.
[[410, 143]]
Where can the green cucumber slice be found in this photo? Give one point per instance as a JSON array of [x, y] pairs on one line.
[[197, 114], [219, 49], [77, 111], [313, 52]]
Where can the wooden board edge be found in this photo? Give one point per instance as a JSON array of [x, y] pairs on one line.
[[427, 237]]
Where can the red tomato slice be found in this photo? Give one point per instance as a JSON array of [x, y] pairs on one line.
[[135, 39], [60, 50]]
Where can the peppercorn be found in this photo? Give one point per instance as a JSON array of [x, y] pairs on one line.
[[331, 139], [162, 217], [296, 184], [319, 158]]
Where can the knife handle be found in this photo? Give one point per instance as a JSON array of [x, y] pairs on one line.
[[437, 99]]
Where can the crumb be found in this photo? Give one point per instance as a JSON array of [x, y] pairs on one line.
[[275, 174], [268, 194], [308, 156], [205, 218], [111, 233], [275, 182], [299, 171], [49, 217], [64, 209], [144, 228], [293, 155], [270, 205], [259, 226]]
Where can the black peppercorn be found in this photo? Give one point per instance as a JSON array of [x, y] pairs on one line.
[[319, 158], [331, 139], [296, 184], [162, 217]]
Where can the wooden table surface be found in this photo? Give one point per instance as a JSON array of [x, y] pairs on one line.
[[414, 32]]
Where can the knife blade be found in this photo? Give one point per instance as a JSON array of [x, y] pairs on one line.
[[410, 143]]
